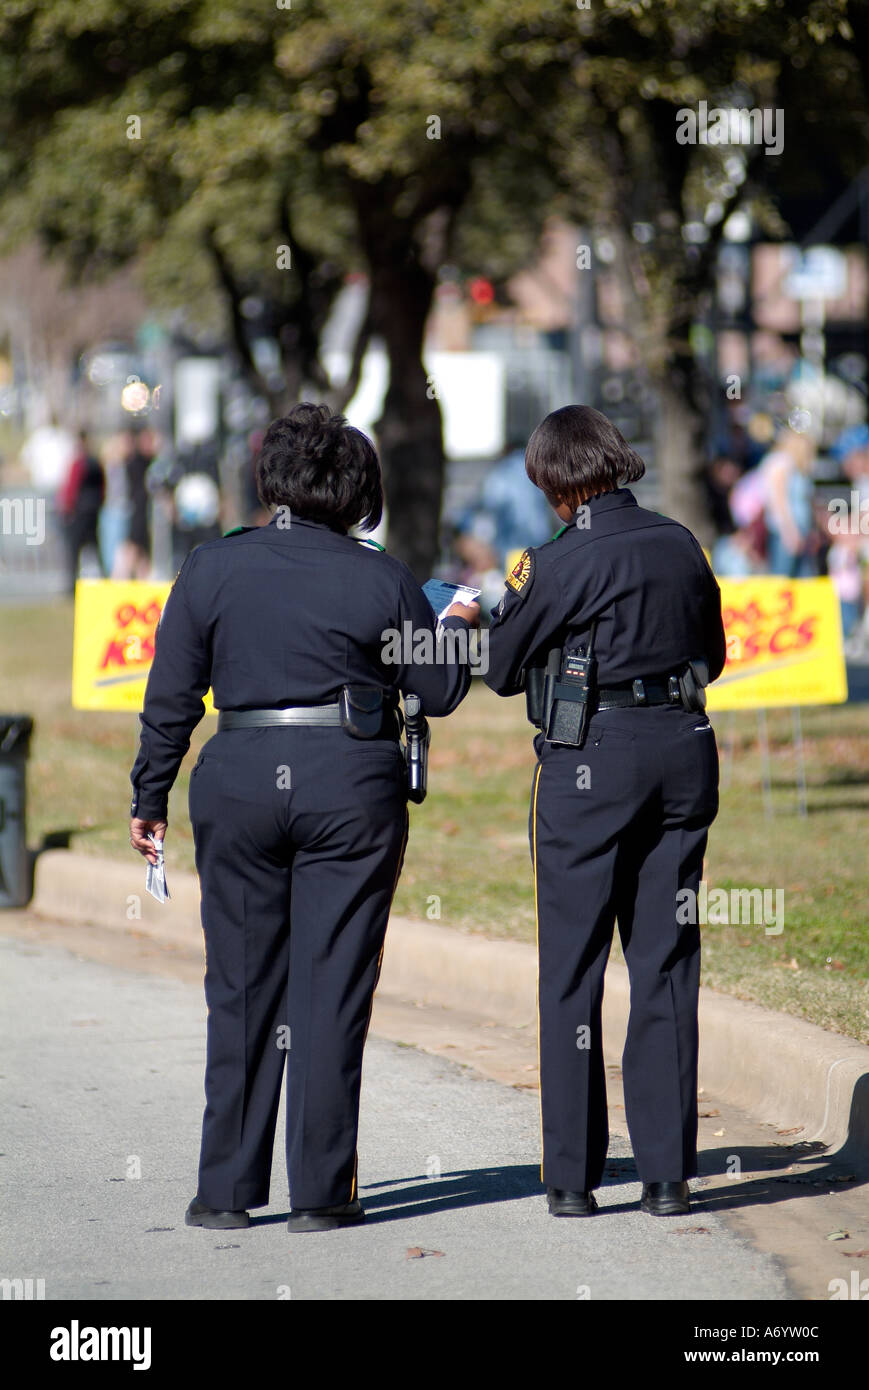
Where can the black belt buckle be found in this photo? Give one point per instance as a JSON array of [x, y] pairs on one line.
[[361, 710], [639, 693], [674, 690]]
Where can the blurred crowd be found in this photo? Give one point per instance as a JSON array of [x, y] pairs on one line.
[[791, 509], [130, 506], [780, 505], [103, 505]]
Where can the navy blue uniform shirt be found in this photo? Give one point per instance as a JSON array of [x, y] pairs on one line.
[[641, 574], [279, 615]]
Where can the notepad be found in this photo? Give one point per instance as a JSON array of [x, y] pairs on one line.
[[442, 595]]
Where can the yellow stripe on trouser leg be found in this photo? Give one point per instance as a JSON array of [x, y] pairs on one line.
[[537, 939], [353, 1185]]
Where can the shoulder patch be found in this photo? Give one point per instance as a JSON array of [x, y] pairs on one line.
[[522, 573]]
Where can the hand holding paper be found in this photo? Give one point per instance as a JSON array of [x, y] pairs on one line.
[[155, 876], [442, 595]]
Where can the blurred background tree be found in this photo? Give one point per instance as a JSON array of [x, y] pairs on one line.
[[245, 154]]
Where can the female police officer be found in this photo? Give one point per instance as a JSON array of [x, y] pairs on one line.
[[620, 811], [298, 805]]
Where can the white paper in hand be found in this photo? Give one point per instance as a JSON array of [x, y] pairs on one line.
[[155, 877], [442, 595]]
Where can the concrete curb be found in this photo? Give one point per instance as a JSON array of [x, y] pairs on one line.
[[778, 1068]]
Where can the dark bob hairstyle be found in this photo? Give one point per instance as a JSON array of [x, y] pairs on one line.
[[576, 453], [320, 467]]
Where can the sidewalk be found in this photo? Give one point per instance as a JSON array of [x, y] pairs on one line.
[[774, 1067], [104, 1068]]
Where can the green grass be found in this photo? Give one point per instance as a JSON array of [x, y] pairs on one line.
[[469, 844], [818, 968]]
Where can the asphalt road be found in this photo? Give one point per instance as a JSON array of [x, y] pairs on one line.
[[103, 1070]]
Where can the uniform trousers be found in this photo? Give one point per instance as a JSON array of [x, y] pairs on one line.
[[300, 835], [618, 829]]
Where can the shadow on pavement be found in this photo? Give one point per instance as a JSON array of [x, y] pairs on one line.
[[474, 1187], [420, 1195]]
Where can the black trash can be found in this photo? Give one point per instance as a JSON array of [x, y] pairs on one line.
[[16, 876]]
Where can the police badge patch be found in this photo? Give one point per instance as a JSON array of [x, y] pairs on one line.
[[522, 573]]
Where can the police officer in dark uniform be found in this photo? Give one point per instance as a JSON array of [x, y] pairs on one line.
[[298, 805], [625, 789]]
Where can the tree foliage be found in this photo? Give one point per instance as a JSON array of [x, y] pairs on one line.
[[313, 127]]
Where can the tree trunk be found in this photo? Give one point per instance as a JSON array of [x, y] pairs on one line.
[[409, 431], [679, 458]]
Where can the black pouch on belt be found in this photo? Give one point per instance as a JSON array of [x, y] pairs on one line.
[[539, 681], [692, 684], [535, 678], [361, 708]]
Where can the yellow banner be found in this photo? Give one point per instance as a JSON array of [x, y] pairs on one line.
[[784, 644], [113, 642]]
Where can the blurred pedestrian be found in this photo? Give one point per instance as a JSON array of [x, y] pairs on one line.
[[112, 527], [848, 559], [511, 514], [789, 511], [133, 560], [47, 454], [845, 570], [851, 452], [79, 502], [517, 511], [736, 555], [722, 475]]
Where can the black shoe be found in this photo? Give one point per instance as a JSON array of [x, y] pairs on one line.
[[198, 1214], [563, 1203], [326, 1218], [666, 1198]]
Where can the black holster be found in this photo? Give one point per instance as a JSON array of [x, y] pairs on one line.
[[539, 684], [692, 683]]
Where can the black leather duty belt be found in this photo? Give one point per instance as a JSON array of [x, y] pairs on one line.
[[640, 692], [319, 715]]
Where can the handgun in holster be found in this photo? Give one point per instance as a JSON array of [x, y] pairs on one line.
[[417, 736]]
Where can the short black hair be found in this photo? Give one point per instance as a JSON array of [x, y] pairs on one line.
[[320, 467], [576, 452]]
